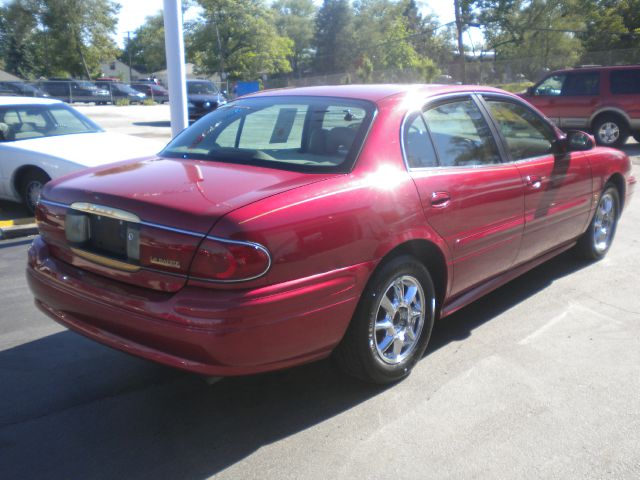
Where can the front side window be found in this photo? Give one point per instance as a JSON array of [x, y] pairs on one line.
[[581, 84], [461, 134], [551, 86], [300, 133], [526, 134]]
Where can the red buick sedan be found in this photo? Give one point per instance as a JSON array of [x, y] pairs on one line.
[[293, 224]]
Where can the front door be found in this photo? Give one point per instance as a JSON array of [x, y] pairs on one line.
[[472, 199], [558, 188]]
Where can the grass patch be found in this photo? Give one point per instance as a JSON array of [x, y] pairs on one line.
[[515, 87], [148, 101], [122, 102]]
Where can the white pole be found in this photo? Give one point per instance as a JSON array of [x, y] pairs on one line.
[[174, 44]]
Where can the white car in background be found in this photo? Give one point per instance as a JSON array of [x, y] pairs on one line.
[[42, 139]]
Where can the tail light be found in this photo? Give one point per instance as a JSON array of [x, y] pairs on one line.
[[224, 260]]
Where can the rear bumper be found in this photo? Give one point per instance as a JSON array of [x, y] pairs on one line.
[[212, 332]]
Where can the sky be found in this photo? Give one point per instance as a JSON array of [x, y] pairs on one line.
[[133, 13]]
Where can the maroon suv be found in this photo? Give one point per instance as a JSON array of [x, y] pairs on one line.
[[603, 99]]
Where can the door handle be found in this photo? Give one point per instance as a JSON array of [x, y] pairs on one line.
[[533, 181], [440, 199]]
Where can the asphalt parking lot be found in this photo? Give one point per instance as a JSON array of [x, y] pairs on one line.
[[540, 379]]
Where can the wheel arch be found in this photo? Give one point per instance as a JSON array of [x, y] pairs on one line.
[[20, 174], [616, 112], [431, 256], [617, 180]]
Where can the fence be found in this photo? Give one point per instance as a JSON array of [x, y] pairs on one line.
[[479, 69]]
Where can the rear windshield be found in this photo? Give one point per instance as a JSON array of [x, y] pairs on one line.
[[315, 134], [22, 122]]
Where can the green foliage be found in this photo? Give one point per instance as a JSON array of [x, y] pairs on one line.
[[122, 102], [146, 46], [534, 31], [334, 37], [612, 25], [57, 37], [295, 19], [238, 37], [148, 102]]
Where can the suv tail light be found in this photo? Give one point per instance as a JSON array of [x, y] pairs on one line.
[[224, 260]]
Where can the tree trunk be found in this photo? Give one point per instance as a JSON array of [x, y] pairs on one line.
[[460, 30]]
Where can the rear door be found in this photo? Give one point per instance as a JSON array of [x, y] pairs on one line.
[[558, 187], [472, 199]]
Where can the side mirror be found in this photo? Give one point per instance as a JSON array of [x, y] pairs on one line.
[[580, 141]]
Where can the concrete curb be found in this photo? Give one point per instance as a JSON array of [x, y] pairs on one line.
[[16, 231]]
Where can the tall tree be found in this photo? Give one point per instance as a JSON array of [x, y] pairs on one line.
[[386, 37], [17, 23], [612, 25], [146, 47], [295, 19], [238, 37], [334, 37]]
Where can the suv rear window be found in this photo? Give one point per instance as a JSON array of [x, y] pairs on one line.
[[311, 134], [625, 82]]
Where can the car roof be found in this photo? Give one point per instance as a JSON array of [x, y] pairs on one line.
[[595, 68], [376, 93], [8, 101]]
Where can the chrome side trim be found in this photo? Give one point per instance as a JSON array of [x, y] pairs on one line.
[[53, 204]]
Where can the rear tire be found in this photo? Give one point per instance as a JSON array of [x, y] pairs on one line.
[[596, 241], [610, 131], [31, 188], [391, 327]]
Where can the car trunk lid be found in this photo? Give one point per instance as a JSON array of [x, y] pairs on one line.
[[141, 221]]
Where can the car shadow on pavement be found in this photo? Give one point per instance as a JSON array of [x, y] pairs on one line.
[[460, 325], [71, 408]]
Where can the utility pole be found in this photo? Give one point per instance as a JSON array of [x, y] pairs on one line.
[[174, 46], [459, 27], [129, 48]]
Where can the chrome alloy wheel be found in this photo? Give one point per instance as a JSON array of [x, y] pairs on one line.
[[399, 319], [604, 222], [608, 133]]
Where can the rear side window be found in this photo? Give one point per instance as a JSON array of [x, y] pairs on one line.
[[461, 135], [625, 82], [417, 143], [582, 84]]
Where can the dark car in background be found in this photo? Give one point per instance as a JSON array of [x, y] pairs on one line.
[[155, 92], [71, 91], [122, 91], [203, 97], [22, 89], [605, 100]]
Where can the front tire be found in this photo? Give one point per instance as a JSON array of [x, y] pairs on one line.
[[610, 131], [391, 327], [31, 188], [596, 241]]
